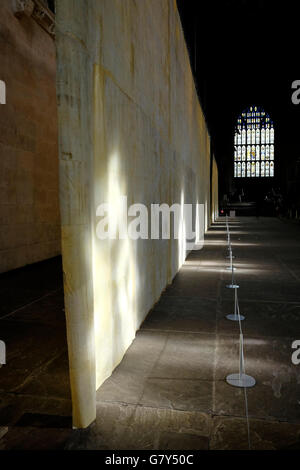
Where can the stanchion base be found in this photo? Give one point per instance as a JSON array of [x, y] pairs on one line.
[[233, 317], [232, 286], [241, 381]]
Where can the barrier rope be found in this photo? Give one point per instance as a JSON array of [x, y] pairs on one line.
[[241, 379]]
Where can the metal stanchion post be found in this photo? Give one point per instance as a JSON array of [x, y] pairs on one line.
[[233, 285], [235, 316], [241, 380], [230, 268]]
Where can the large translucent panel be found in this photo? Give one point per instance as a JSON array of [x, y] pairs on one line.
[[272, 169], [235, 170], [263, 152], [262, 169], [263, 136], [239, 153], [272, 135], [252, 169], [271, 152], [267, 169], [257, 168], [248, 169], [253, 152], [267, 152], [267, 135]]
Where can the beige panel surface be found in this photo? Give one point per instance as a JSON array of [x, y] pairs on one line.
[[130, 125]]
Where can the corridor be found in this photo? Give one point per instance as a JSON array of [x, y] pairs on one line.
[[169, 391]]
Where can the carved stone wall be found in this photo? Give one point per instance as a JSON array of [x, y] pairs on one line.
[[29, 209], [39, 11]]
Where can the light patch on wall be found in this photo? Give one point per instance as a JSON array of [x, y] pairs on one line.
[[115, 274], [2, 92]]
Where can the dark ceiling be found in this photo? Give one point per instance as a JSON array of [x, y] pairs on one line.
[[241, 52]]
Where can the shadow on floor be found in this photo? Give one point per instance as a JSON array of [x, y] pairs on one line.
[[35, 402]]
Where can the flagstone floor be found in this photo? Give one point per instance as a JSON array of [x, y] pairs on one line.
[[169, 391], [35, 402]]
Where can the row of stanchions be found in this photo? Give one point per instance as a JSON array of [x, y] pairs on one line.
[[240, 379]]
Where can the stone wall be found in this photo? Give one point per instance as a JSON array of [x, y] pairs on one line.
[[29, 208], [129, 124]]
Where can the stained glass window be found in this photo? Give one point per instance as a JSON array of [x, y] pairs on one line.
[[244, 136], [254, 144], [243, 170], [244, 153], [257, 152], [257, 136], [248, 152]]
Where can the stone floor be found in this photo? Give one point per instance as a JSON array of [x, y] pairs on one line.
[[169, 392], [35, 404]]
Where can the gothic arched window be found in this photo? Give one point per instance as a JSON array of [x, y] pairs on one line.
[[254, 144]]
